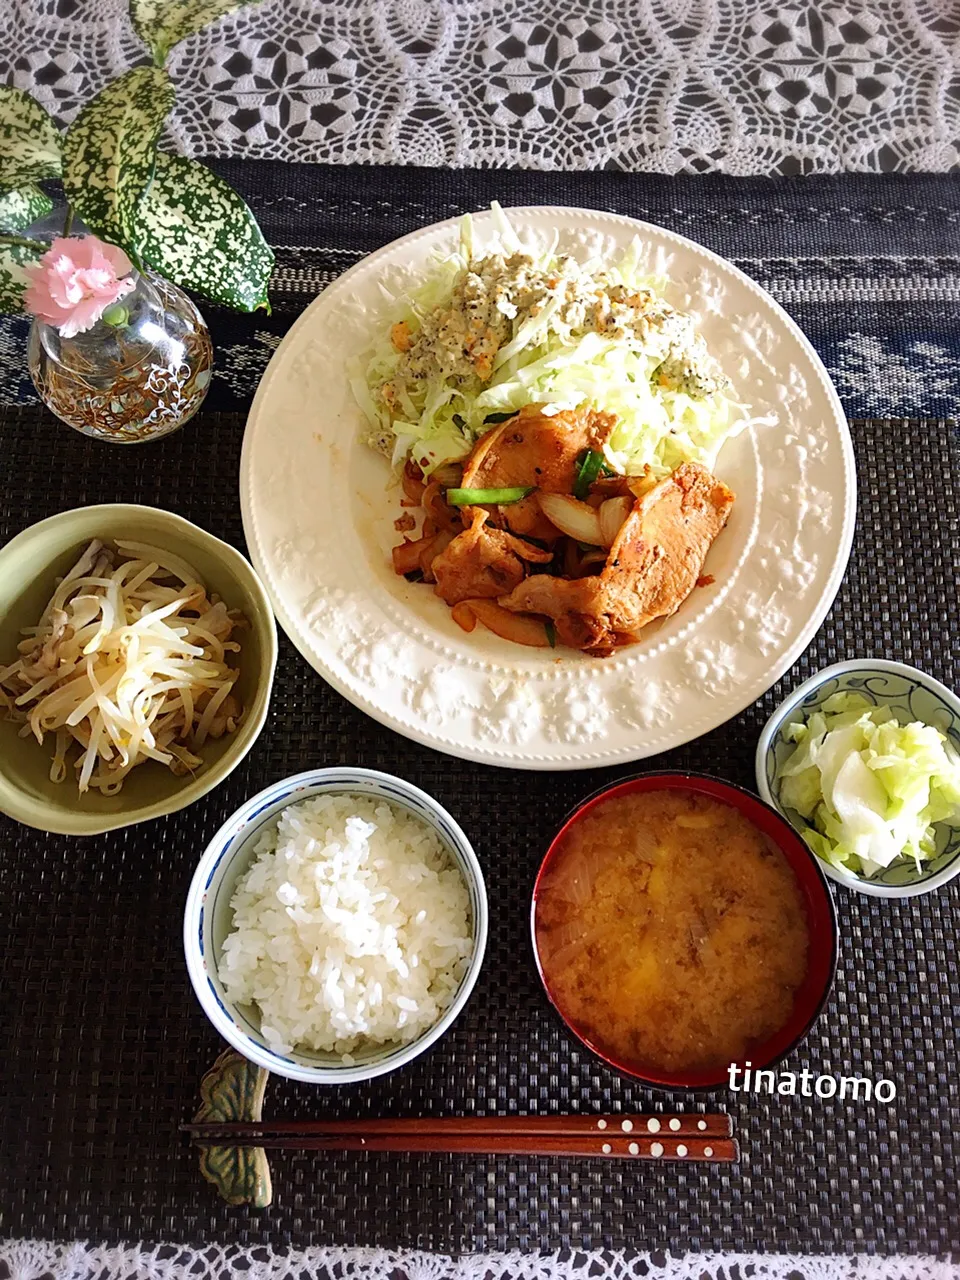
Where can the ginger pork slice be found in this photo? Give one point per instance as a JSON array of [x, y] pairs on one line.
[[537, 450], [483, 562], [651, 568]]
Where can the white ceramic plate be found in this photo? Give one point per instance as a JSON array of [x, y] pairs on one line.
[[318, 517]]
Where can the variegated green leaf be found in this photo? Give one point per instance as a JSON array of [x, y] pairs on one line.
[[161, 24], [21, 207], [109, 153], [29, 141], [199, 233], [13, 277]]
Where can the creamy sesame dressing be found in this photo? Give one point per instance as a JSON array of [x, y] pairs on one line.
[[462, 339], [480, 336]]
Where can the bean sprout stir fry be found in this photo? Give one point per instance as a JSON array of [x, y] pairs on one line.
[[129, 662]]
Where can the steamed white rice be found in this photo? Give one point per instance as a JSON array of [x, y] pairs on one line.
[[351, 928]]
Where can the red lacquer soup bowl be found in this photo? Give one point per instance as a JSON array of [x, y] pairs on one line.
[[821, 922]]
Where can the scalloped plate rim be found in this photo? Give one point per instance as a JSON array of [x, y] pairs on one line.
[[513, 756]]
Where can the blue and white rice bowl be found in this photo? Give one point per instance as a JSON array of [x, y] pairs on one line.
[[208, 919], [911, 695]]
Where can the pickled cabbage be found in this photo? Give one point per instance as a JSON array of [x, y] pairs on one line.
[[871, 789]]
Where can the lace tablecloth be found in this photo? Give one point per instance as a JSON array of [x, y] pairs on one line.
[[39, 1260], [743, 86]]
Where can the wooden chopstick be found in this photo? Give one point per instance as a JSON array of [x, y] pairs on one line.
[[618, 1137], [685, 1124], [717, 1151]]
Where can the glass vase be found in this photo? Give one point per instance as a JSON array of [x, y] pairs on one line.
[[135, 379]]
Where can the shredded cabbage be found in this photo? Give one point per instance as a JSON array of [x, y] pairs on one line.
[[545, 359], [871, 788]]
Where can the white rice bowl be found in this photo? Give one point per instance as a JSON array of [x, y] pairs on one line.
[[351, 929]]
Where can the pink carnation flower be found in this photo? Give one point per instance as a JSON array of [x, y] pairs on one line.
[[75, 281]]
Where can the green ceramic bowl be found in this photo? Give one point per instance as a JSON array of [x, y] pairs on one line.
[[29, 565]]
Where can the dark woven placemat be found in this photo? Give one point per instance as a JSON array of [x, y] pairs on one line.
[[105, 1044], [867, 264]]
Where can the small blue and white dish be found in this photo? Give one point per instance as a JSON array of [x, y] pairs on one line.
[[911, 695], [208, 920]]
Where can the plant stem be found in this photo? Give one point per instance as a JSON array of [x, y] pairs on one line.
[[68, 221], [24, 243]]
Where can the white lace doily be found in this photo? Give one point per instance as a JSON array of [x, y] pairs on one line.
[[40, 1260], [743, 86]]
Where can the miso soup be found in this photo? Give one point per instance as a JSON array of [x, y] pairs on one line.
[[671, 932]]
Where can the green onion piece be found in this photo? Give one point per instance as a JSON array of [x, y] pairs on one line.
[[551, 631], [493, 418], [481, 497], [589, 470]]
